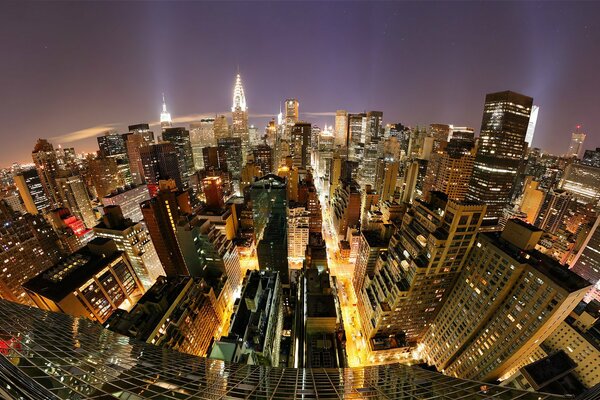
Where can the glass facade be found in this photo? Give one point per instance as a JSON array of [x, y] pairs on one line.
[[55, 356]]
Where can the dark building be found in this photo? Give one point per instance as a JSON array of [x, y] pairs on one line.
[[301, 144], [161, 162], [112, 145], [233, 152], [161, 214], [263, 157], [500, 152], [214, 158], [180, 138]]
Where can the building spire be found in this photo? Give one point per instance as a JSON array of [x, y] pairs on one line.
[[239, 99], [165, 116]]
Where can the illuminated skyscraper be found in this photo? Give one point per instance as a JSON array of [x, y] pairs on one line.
[[139, 136], [500, 152], [75, 197], [165, 116], [202, 134], [587, 262], [31, 191], [531, 126], [28, 246], [180, 138], [576, 145], [221, 127], [46, 163], [239, 111], [129, 199], [291, 112]]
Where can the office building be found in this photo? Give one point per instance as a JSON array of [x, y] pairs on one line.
[[385, 178], [138, 136], [410, 283], [128, 198], [341, 127], [291, 112], [180, 138], [345, 206], [300, 146], [508, 299], [592, 158], [72, 232], [133, 239], [532, 200], [46, 164], [92, 283], [112, 144], [221, 127], [233, 150], [263, 157], [576, 145], [105, 175], [298, 225], [583, 181], [75, 196], [179, 312], [28, 246], [31, 191], [161, 214], [587, 261], [202, 134], [500, 151], [212, 187], [553, 210], [161, 162]]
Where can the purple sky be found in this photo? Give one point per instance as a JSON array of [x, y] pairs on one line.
[[68, 67]]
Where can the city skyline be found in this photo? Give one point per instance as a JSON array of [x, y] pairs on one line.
[[111, 78]]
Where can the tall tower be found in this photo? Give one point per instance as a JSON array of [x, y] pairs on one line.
[[500, 152], [576, 145], [165, 116], [291, 112], [239, 109]]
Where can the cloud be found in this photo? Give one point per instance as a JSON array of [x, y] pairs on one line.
[[319, 114], [83, 133]]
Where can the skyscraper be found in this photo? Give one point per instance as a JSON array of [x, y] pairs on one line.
[[161, 162], [112, 144], [46, 163], [239, 112], [28, 246], [221, 127], [300, 148], [531, 126], [139, 136], [233, 148], [31, 191], [291, 112], [202, 134], [341, 127], [501, 149], [587, 262], [133, 239], [576, 145], [165, 116], [75, 197], [180, 138], [507, 300]]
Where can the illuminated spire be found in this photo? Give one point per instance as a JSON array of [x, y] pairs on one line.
[[280, 116], [239, 100], [165, 116]]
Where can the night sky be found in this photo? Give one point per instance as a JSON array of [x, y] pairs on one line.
[[72, 70]]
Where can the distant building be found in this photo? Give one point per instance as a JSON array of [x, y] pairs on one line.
[[583, 181], [291, 112], [576, 145], [160, 161], [129, 198], [75, 196], [300, 146], [592, 158], [180, 138], [92, 283]]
